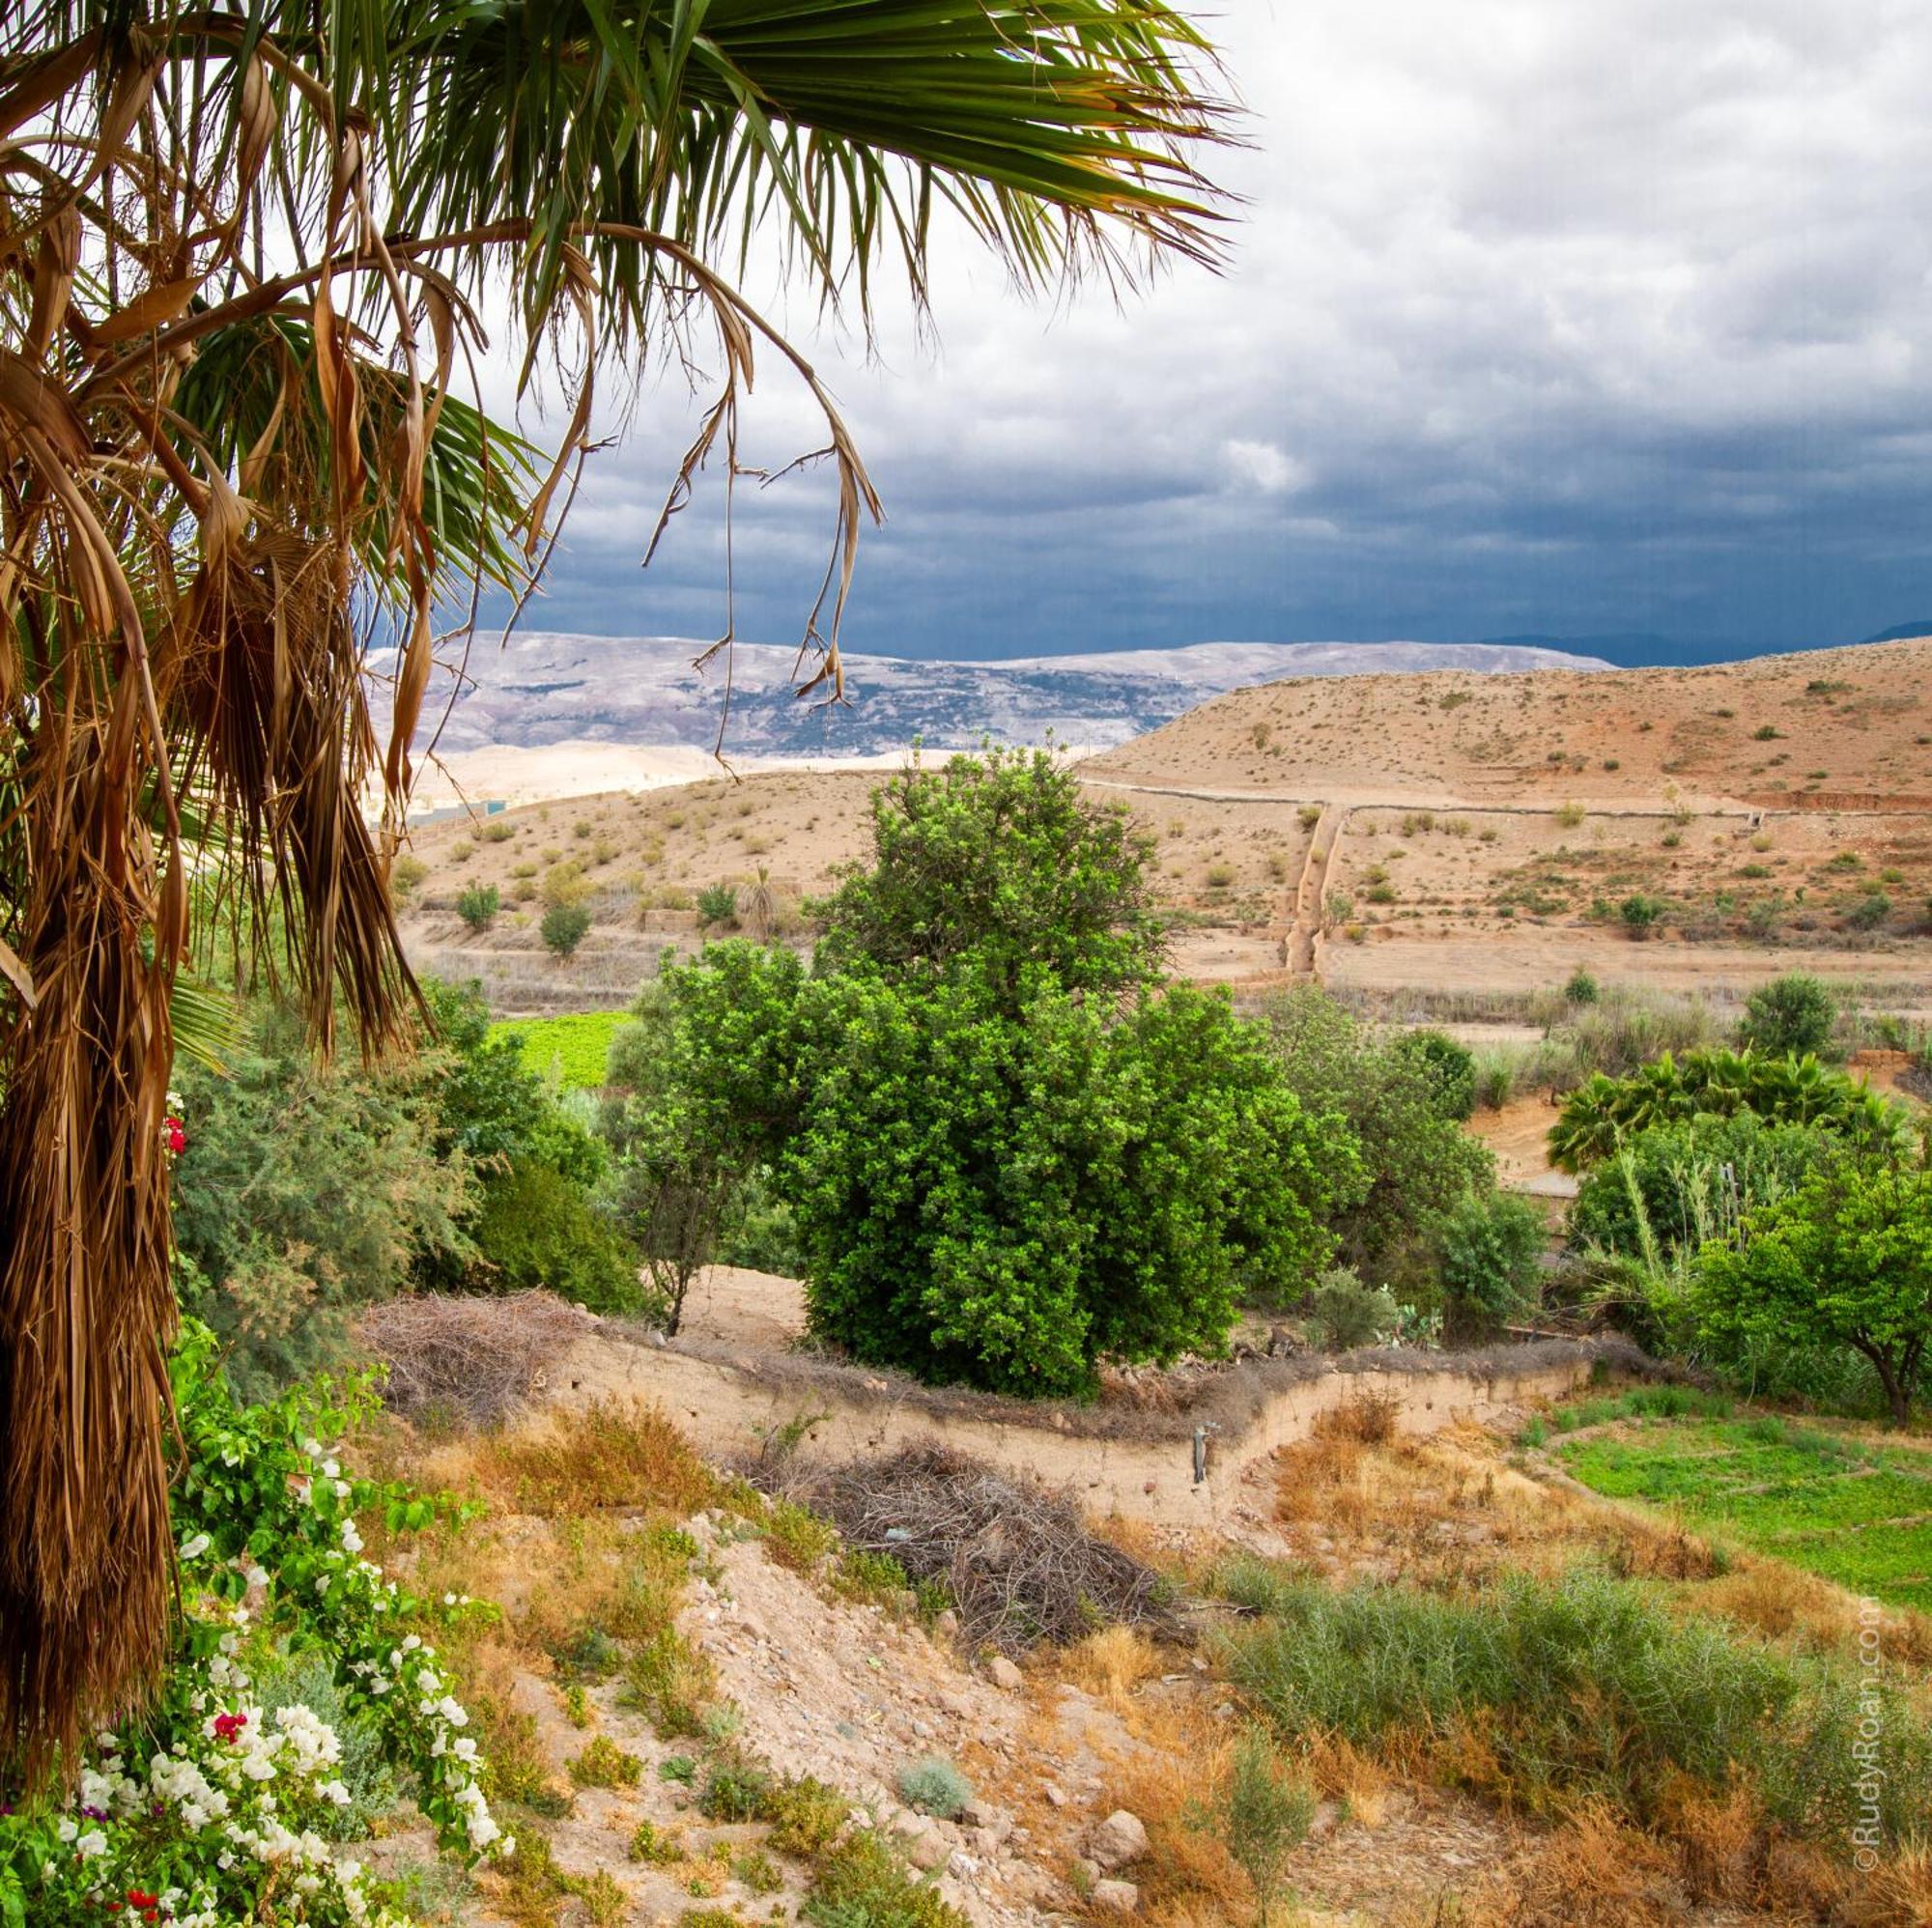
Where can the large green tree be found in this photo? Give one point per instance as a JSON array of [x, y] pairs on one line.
[[239, 294], [1845, 1259], [1010, 1151]]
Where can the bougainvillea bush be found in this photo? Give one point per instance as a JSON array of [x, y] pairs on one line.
[[204, 1809]]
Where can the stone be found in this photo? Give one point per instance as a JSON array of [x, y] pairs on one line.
[[946, 1622], [1118, 1839], [929, 1849], [1115, 1897], [1001, 1672], [1053, 1796]]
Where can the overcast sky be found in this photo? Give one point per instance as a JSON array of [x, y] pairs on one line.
[[1563, 316]]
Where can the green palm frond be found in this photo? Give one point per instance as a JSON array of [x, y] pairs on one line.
[[1062, 130], [261, 373]]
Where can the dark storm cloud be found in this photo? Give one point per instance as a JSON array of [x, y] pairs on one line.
[[1543, 314]]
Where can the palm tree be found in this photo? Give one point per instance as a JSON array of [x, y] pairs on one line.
[[244, 247]]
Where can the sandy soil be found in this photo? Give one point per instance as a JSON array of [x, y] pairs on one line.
[[740, 1307], [1518, 1134]]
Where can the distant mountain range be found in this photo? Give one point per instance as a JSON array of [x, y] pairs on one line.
[[545, 689]]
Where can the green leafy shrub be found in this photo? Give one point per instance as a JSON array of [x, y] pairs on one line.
[[1448, 1066], [406, 876], [1416, 1162], [861, 1883], [1640, 914], [478, 905], [650, 1843], [1491, 1251], [563, 928], [1581, 988], [1871, 910], [805, 1816], [935, 1786], [734, 1790], [306, 1191], [605, 1764], [1003, 1199], [1680, 1182], [1264, 1814], [1348, 1314], [1790, 1016], [538, 1228], [716, 904], [1000, 857]]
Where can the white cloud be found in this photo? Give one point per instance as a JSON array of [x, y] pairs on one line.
[[1262, 465]]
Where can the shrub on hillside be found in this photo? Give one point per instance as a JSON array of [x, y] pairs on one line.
[[1790, 1016], [1640, 914], [478, 905], [563, 928], [1416, 1162], [1348, 1314], [716, 904], [305, 1191]]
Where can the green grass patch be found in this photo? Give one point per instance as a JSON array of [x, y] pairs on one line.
[[1543, 1694], [575, 1046], [1855, 1513]]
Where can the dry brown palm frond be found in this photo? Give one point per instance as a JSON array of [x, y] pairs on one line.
[[242, 256]]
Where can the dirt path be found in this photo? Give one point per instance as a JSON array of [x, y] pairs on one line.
[[729, 1384], [1304, 939]]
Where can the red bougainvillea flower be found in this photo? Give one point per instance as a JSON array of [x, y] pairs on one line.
[[228, 1726], [173, 1137]]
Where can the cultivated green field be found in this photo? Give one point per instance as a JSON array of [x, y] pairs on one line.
[[1857, 1512], [573, 1046]]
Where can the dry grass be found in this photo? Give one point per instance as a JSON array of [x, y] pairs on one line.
[[1340, 1771], [1371, 1415], [605, 1456], [1591, 1872], [1112, 1664], [1187, 1879]]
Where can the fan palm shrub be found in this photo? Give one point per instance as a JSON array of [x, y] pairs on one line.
[[246, 254]]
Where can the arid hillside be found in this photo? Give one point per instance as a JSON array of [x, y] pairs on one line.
[[1447, 831], [1833, 729]]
